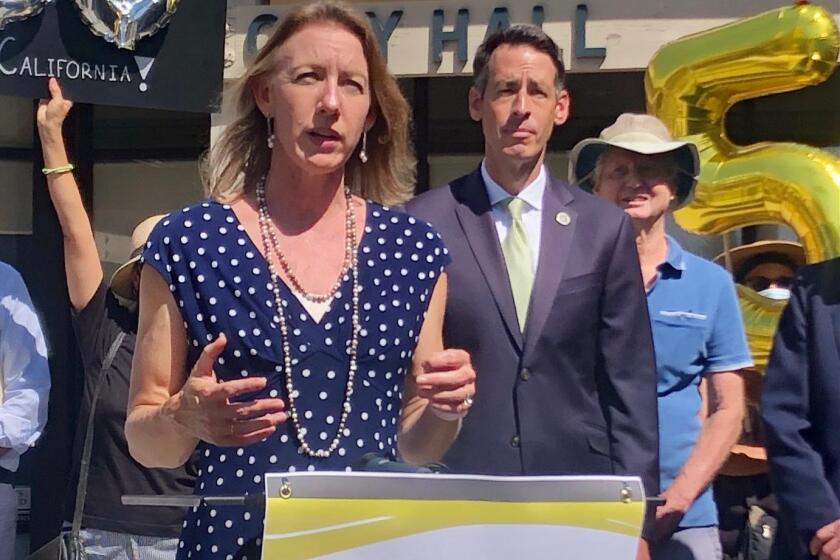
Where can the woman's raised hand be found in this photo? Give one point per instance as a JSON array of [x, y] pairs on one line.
[[53, 111], [203, 406]]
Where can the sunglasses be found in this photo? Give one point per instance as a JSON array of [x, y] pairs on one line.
[[759, 283]]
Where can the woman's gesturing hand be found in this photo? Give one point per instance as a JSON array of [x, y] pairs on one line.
[[448, 382], [205, 409]]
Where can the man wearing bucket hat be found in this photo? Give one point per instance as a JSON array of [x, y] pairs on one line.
[[695, 319], [746, 504], [105, 321], [544, 290]]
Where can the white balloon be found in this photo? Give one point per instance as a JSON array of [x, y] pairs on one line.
[[124, 22]]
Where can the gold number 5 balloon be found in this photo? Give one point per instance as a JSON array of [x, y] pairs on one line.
[[692, 82]]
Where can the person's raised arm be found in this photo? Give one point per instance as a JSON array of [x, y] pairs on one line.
[[81, 260], [435, 391], [169, 408]]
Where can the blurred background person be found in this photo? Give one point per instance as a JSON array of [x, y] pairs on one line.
[[695, 319], [24, 392], [287, 323], [766, 267], [800, 406], [746, 505], [101, 312]]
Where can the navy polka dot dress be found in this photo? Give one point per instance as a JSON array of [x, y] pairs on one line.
[[221, 283]]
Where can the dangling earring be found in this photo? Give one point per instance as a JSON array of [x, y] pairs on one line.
[[270, 125], [363, 157]]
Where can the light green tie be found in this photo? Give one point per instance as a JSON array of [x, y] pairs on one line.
[[518, 259]]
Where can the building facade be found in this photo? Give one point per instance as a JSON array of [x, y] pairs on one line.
[[135, 163]]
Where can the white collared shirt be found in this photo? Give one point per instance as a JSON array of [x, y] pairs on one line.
[[532, 194], [24, 373]]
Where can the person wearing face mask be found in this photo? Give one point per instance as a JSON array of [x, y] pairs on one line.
[[695, 320], [746, 504], [766, 267]]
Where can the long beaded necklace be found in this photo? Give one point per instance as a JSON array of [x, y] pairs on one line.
[[351, 261], [349, 239]]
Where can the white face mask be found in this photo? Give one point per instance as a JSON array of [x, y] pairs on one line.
[[775, 293]]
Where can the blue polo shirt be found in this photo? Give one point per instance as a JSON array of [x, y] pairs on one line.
[[697, 331]]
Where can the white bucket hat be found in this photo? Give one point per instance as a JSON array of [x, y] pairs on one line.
[[642, 134], [122, 282]]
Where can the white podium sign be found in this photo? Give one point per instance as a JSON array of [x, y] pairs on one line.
[[355, 516]]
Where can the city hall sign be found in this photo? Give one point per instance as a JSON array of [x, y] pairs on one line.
[[421, 38], [439, 37]]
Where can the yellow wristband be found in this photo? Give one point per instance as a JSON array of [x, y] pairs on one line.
[[58, 170]]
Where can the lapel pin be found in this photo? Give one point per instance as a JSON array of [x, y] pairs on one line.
[[563, 219]]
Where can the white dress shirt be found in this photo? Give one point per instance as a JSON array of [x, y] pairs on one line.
[[532, 194], [24, 373]]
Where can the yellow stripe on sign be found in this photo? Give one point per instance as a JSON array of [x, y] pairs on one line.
[[310, 527]]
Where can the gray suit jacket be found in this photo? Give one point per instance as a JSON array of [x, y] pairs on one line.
[[576, 392]]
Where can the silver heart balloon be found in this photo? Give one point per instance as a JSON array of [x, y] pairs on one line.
[[16, 10], [124, 22]]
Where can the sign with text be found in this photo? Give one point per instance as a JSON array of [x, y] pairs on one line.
[[439, 38], [178, 68], [362, 515]]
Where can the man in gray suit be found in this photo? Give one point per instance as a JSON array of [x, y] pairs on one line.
[[545, 290]]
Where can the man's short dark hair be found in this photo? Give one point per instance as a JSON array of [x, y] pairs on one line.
[[522, 34]]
